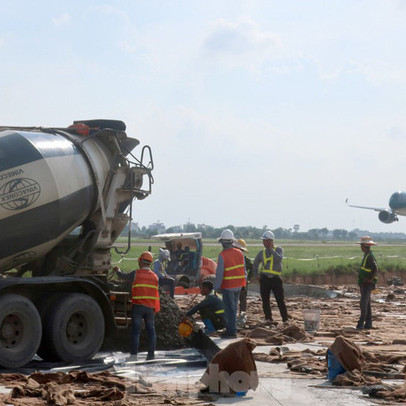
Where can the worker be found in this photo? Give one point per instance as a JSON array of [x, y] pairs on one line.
[[145, 303], [242, 245], [268, 268], [230, 278], [211, 309], [177, 257], [160, 266], [367, 278]]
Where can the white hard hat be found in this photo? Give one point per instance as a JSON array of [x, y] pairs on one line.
[[165, 254], [268, 235], [226, 235]]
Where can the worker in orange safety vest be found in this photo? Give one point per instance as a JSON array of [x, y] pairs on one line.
[[230, 278], [145, 303]]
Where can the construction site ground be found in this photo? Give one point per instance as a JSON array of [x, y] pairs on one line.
[[291, 362]]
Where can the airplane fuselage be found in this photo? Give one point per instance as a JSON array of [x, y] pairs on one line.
[[397, 203]]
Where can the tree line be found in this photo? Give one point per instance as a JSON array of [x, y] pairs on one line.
[[250, 232]]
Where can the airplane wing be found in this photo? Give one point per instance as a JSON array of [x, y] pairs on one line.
[[365, 207]]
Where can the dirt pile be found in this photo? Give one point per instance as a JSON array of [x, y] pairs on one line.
[[166, 327]]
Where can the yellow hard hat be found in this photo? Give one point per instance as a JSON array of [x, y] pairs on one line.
[[241, 244], [185, 328]]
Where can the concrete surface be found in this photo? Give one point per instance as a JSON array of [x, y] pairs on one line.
[[276, 384]]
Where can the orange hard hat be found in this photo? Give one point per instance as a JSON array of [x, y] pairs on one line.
[[146, 257], [185, 328]]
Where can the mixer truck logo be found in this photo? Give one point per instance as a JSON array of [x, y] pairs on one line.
[[19, 193]]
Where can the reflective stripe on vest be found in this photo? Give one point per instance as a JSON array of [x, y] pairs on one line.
[[234, 269], [363, 269], [364, 262], [145, 289], [219, 311], [265, 260]]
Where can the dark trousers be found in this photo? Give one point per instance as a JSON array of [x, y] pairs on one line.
[[168, 282], [365, 319], [266, 285], [243, 299], [139, 312]]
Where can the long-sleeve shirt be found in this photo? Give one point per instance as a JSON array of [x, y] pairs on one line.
[[126, 276], [160, 269], [211, 308], [277, 254], [368, 262], [210, 304]]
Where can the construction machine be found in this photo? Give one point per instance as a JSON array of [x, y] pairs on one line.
[[65, 196], [187, 265]]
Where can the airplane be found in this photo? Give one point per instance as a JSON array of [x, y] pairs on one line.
[[397, 204]]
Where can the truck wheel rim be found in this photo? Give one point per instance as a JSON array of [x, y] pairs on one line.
[[76, 329], [11, 331]]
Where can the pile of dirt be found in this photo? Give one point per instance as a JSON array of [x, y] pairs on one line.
[[167, 321]]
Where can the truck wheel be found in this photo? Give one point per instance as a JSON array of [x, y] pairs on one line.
[[74, 330], [20, 330]]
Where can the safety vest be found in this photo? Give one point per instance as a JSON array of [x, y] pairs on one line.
[[161, 267], [365, 272], [234, 269], [145, 289], [270, 269]]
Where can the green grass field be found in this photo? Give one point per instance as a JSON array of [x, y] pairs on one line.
[[304, 257]]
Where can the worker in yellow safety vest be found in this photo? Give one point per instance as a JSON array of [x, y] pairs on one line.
[[367, 278], [268, 268]]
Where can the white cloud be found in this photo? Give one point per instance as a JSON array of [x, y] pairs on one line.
[[63, 19], [238, 38]]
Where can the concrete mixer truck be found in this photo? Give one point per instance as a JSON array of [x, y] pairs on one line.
[[65, 196]]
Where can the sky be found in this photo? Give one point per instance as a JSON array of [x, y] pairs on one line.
[[258, 112]]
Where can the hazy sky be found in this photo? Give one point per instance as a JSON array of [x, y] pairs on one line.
[[257, 112]]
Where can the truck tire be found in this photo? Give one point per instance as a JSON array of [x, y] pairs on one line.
[[20, 330], [73, 330]]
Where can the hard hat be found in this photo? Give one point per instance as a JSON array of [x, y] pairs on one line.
[[208, 283], [241, 244], [366, 241], [146, 257], [185, 328], [268, 235], [164, 254], [226, 235]]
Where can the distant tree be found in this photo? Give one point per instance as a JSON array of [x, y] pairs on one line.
[[324, 233], [296, 227], [313, 234], [189, 228]]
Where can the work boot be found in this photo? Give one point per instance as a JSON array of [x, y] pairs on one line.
[[360, 326], [150, 357], [368, 326]]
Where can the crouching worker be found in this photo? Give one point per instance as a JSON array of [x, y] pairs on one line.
[[211, 309], [145, 303]]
